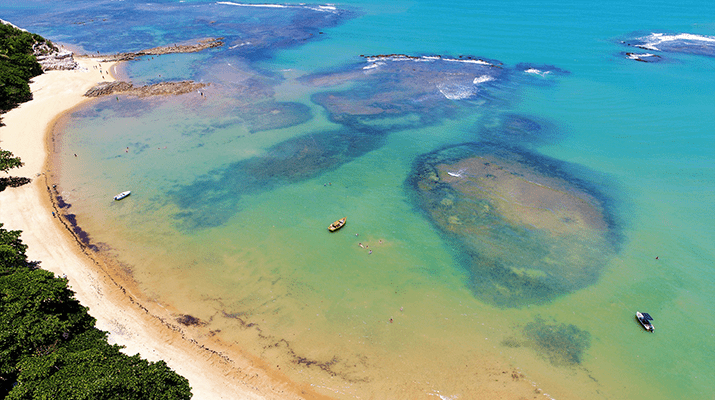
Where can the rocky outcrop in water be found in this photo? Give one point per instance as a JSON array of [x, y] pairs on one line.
[[157, 51], [157, 89]]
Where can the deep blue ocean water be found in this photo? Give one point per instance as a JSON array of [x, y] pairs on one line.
[[304, 123]]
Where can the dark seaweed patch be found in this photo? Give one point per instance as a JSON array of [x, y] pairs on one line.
[[273, 115], [346, 369], [61, 203], [189, 320], [511, 342], [518, 130], [561, 344], [79, 233]]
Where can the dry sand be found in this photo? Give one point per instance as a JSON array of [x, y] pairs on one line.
[[28, 208]]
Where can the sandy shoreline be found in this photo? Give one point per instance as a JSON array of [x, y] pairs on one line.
[[29, 208]]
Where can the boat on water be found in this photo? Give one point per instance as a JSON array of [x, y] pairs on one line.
[[122, 195], [337, 224], [644, 319]]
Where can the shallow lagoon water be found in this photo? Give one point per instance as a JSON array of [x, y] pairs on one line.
[[259, 266]]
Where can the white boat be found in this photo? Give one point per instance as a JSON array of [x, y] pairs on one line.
[[644, 319], [122, 195]]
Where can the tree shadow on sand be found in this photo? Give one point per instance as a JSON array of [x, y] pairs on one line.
[[13, 182]]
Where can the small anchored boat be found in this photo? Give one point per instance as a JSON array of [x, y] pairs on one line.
[[644, 319], [122, 195], [337, 224]]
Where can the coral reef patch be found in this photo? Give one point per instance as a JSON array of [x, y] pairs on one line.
[[528, 230]]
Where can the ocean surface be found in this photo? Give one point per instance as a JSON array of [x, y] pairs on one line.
[[519, 178]]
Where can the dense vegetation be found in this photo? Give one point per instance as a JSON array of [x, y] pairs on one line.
[[17, 65], [8, 161], [50, 349]]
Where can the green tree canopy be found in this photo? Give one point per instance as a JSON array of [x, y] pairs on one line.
[[12, 251], [8, 161], [17, 65], [50, 348]]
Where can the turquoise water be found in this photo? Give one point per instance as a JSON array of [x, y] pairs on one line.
[[232, 191]]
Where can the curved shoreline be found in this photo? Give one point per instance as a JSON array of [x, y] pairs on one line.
[[31, 209]]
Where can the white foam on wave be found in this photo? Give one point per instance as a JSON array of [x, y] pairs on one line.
[[468, 61], [403, 57], [397, 57], [2, 21], [656, 39], [457, 174], [323, 8], [230, 3], [328, 7], [456, 91], [636, 56], [482, 79], [373, 65], [535, 71], [240, 45]]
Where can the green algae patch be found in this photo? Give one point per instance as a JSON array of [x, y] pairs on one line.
[[561, 344], [526, 230]]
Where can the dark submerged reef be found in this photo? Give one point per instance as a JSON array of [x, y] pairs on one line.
[[511, 129], [528, 230], [254, 32], [563, 345], [212, 199], [430, 88]]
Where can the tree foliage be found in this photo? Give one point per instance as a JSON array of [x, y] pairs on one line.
[[17, 65], [8, 161], [50, 349]]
